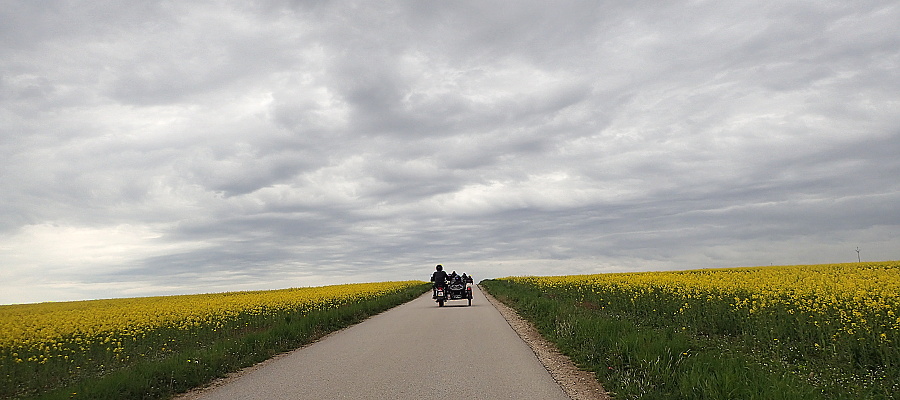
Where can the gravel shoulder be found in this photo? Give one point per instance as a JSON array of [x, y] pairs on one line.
[[577, 383]]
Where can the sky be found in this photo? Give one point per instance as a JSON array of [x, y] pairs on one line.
[[171, 147]]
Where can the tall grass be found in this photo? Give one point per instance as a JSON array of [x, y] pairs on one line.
[[790, 332], [141, 360]]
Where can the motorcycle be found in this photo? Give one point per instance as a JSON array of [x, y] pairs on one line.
[[453, 291]]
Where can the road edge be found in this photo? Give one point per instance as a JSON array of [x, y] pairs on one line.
[[578, 384]]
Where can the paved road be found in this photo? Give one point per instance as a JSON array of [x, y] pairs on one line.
[[414, 351]]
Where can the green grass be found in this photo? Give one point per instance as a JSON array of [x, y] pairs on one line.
[[195, 363], [639, 356]]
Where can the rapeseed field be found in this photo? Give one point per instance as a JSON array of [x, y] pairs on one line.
[[834, 327], [46, 345]]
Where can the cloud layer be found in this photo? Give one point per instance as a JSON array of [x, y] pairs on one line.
[[180, 147]]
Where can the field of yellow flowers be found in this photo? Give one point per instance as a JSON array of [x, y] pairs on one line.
[[834, 327], [50, 345]]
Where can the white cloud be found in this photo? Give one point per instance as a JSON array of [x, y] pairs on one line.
[[181, 147], [39, 259]]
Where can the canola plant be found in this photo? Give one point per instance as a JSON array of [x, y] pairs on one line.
[[847, 313], [66, 341]]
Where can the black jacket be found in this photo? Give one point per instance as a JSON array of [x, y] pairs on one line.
[[439, 278]]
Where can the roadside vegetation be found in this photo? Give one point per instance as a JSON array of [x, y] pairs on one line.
[[785, 332], [155, 347]]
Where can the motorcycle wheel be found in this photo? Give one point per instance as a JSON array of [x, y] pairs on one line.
[[470, 302], [440, 303]]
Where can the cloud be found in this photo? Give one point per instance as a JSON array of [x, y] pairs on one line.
[[172, 148]]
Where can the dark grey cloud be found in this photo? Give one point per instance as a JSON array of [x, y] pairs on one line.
[[176, 147]]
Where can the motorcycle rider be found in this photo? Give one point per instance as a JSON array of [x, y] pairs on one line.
[[438, 279]]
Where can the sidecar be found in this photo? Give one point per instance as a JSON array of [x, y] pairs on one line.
[[454, 291]]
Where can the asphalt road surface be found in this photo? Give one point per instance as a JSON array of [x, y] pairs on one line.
[[414, 351]]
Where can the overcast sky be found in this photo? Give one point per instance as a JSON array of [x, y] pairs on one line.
[[168, 147]]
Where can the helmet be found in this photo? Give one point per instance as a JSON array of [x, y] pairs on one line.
[[439, 267]]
